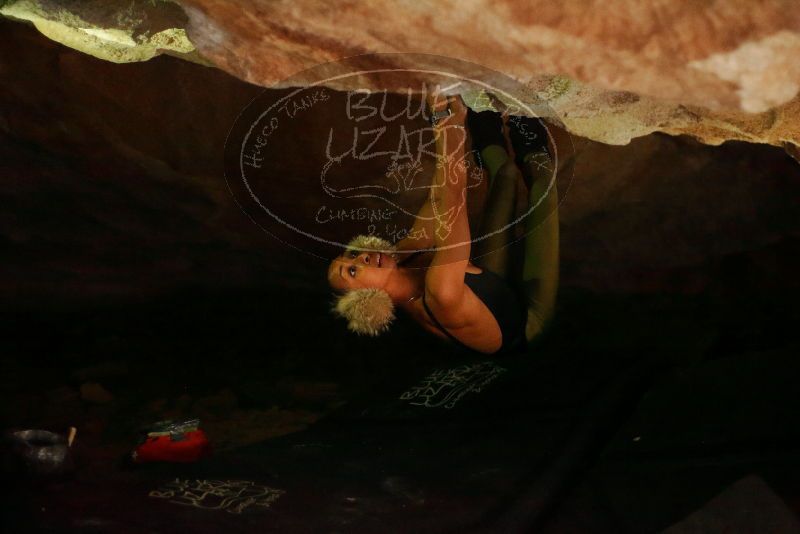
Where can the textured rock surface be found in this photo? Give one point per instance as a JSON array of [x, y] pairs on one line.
[[725, 56], [115, 31], [716, 71], [719, 54]]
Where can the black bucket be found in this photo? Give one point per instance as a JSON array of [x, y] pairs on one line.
[[39, 452]]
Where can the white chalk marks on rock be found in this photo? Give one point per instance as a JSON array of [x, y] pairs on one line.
[[232, 496], [445, 387]]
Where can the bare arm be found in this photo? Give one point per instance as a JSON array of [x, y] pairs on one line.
[[444, 281], [420, 237]]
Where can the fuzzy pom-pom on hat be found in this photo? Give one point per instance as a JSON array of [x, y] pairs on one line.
[[370, 243], [368, 311]]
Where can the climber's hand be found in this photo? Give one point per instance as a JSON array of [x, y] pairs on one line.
[[446, 111]]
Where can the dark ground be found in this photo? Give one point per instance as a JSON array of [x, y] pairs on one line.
[[668, 377], [604, 429]]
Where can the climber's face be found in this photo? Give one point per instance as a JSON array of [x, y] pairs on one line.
[[357, 270]]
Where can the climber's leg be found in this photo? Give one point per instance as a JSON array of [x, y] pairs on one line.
[[491, 250], [541, 264]]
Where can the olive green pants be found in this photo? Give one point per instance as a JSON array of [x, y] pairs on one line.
[[493, 251]]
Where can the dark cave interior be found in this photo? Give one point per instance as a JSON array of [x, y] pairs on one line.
[[135, 290]]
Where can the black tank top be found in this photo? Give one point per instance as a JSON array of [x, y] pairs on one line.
[[507, 309]]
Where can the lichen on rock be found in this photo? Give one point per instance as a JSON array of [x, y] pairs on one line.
[[120, 35]]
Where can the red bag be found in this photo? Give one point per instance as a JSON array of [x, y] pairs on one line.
[[173, 442]]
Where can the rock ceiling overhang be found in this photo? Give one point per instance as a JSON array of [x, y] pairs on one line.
[[715, 71]]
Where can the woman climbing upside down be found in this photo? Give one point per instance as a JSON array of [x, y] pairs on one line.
[[471, 304]]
